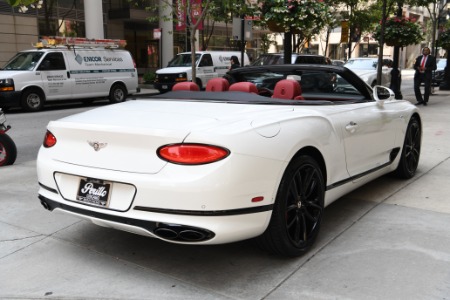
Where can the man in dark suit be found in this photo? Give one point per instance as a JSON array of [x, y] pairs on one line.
[[425, 65]]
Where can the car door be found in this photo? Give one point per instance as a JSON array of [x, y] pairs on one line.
[[54, 76], [369, 133], [205, 69]]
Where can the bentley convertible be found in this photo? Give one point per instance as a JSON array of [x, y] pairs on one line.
[[257, 155]]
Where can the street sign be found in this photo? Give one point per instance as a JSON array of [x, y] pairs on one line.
[[157, 33], [248, 32]]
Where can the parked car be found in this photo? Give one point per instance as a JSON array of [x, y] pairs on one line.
[[438, 75], [68, 69], [337, 62], [210, 64], [200, 167], [278, 58], [366, 68]]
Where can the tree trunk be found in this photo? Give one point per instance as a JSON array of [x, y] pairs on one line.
[[192, 40], [288, 47]]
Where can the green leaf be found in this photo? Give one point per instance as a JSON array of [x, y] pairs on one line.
[[13, 2]]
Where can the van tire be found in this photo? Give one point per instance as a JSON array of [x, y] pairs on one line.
[[32, 100], [118, 93]]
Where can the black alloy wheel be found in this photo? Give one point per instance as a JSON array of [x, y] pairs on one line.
[[298, 210], [410, 156]]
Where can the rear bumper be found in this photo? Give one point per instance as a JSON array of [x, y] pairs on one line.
[[179, 229]]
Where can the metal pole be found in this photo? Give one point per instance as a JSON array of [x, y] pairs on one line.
[[160, 48], [395, 73], [381, 42], [242, 39]]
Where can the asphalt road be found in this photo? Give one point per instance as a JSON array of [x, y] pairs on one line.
[[389, 239]]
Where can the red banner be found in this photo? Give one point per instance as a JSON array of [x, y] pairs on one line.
[[196, 12], [181, 15]]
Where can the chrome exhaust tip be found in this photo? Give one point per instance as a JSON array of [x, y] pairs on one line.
[[45, 205]]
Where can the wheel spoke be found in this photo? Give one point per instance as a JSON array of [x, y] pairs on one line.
[[294, 189], [297, 230], [290, 215], [309, 183]]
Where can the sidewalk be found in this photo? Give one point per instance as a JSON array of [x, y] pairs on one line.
[[389, 239], [146, 90], [408, 89]]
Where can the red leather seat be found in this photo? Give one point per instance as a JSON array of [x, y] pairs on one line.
[[186, 86], [246, 87], [288, 89], [217, 85]]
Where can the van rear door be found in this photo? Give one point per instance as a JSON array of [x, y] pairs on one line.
[[55, 77]]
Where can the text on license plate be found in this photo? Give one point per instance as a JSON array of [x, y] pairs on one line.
[[94, 191]]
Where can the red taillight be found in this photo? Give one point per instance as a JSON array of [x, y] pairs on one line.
[[192, 154], [49, 140]]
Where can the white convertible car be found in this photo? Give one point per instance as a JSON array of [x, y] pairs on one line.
[[227, 164]]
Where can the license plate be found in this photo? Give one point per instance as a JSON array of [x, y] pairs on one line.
[[94, 191], [164, 87]]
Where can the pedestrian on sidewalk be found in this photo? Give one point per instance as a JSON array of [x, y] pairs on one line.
[[234, 62], [425, 65]]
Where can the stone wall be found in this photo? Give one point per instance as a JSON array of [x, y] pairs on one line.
[[16, 33]]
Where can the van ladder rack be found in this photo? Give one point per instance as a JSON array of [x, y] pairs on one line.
[[71, 42]]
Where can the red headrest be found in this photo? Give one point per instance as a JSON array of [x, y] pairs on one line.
[[287, 89], [217, 85], [186, 86], [247, 87]]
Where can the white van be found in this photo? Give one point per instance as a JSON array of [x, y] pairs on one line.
[[210, 64], [71, 71]]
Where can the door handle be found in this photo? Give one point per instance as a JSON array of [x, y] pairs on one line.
[[68, 74], [351, 127]]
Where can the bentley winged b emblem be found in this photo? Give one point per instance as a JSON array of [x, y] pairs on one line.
[[97, 145]]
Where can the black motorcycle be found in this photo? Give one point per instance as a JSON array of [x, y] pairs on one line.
[[8, 150]]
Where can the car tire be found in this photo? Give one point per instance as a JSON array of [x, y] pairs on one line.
[[118, 93], [409, 159], [32, 100], [8, 150], [298, 210]]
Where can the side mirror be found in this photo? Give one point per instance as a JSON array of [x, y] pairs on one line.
[[382, 93]]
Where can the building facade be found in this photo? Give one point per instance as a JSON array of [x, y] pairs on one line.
[[153, 44]]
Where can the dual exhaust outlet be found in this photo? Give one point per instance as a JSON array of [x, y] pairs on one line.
[[182, 233]]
